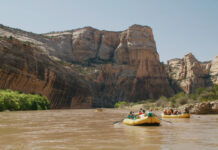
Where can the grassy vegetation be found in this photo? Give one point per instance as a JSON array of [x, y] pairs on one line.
[[120, 104], [84, 70], [13, 100], [200, 95]]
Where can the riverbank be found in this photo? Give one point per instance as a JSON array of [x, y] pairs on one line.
[[195, 108], [203, 101]]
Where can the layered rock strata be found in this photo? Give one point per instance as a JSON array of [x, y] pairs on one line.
[[137, 73], [214, 70], [188, 73], [26, 68], [126, 66]]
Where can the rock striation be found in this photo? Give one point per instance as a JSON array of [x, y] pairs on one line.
[[26, 68], [89, 67], [127, 65], [214, 70], [137, 73], [188, 73]]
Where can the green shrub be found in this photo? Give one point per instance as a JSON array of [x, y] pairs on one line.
[[182, 100], [120, 104], [199, 91], [11, 37], [162, 102], [14, 100]]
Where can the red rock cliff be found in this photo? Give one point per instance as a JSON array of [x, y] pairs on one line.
[[137, 73], [188, 73], [28, 69], [127, 64]]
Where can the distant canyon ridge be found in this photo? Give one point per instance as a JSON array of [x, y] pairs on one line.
[[86, 67]]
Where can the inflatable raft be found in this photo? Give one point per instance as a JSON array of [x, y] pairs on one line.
[[176, 116], [145, 121]]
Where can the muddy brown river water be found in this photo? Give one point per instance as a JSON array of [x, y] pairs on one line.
[[85, 129]]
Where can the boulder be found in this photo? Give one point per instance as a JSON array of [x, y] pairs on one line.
[[202, 108]]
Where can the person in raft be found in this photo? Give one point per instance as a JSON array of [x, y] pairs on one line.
[[165, 112], [149, 113], [131, 115], [169, 112], [175, 112], [140, 111], [185, 111]]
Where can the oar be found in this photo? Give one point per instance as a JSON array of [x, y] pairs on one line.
[[163, 119], [118, 121]]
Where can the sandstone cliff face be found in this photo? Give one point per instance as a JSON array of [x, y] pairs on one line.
[[127, 66], [137, 73], [134, 71], [89, 43], [188, 73], [214, 70], [28, 69], [80, 45]]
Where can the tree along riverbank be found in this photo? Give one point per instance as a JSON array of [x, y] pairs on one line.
[[14, 100]]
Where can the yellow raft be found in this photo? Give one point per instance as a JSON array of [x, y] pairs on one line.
[[176, 116], [145, 121]]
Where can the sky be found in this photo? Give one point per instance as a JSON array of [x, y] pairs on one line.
[[179, 26]]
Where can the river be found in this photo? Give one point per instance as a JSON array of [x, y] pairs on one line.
[[85, 129]]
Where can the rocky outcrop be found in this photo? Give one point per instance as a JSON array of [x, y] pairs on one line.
[[89, 44], [202, 108], [26, 68], [82, 45], [214, 70], [137, 73], [122, 66], [127, 64], [188, 73]]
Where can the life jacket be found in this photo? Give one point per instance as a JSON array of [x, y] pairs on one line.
[[149, 114], [140, 113], [169, 112]]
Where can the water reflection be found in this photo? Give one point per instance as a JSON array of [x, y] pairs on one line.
[[144, 137]]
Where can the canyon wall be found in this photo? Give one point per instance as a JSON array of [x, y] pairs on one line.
[[87, 67], [189, 74], [27, 69], [214, 70], [137, 73]]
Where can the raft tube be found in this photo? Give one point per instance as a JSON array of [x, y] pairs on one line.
[[176, 116], [145, 121]]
